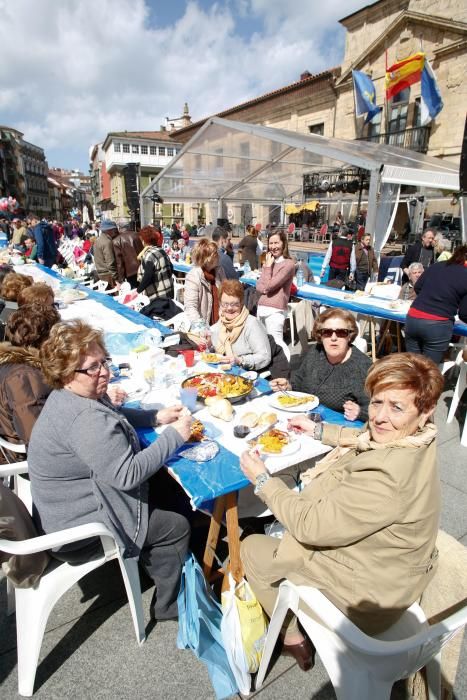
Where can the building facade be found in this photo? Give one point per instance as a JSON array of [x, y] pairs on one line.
[[377, 36]]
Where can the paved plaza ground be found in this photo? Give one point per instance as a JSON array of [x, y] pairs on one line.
[[89, 649]]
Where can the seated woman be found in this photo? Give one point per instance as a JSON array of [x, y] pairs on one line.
[[11, 286], [86, 464], [23, 389], [37, 293], [333, 369], [202, 282], [155, 270], [237, 335], [363, 530]]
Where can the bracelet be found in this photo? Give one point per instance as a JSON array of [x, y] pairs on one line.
[[260, 481], [318, 432]]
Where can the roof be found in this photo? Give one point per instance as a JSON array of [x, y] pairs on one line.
[[239, 162], [362, 9], [329, 73], [143, 135]]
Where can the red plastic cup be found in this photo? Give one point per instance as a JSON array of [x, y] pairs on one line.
[[189, 356]]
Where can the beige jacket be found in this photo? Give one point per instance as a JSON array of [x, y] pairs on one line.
[[363, 531], [197, 294]]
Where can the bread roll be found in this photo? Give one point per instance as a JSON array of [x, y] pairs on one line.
[[221, 409], [267, 418], [250, 419]]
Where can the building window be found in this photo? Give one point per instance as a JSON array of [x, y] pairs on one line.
[[135, 148], [162, 150], [170, 151], [316, 129], [144, 150], [153, 150], [374, 127], [116, 148], [126, 148]]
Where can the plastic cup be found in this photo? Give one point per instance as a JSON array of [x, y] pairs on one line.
[[189, 356], [188, 397]]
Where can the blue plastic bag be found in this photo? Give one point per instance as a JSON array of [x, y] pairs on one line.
[[199, 627]]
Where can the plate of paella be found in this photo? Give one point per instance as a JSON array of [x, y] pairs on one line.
[[226, 386]]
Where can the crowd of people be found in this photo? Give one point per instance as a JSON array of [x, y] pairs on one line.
[[374, 496]]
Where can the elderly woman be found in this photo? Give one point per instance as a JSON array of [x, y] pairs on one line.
[[274, 286], [333, 369], [442, 248], [11, 286], [238, 335], [202, 283], [86, 465], [37, 293], [363, 529], [155, 273], [23, 390]]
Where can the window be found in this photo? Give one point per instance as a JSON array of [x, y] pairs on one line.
[[116, 148], [162, 150], [135, 148], [170, 151], [126, 148], [144, 150], [153, 150], [316, 129], [374, 127]]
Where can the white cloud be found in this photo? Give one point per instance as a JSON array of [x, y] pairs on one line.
[[75, 69]]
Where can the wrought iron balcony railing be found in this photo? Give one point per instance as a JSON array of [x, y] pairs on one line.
[[415, 139]]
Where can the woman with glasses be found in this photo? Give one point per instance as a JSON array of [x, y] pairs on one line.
[[201, 294], [333, 369], [238, 335], [86, 464], [363, 529]]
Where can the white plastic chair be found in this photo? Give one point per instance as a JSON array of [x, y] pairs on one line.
[[179, 288], [362, 667], [33, 605], [458, 391]]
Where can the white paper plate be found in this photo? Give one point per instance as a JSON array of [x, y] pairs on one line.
[[300, 408]]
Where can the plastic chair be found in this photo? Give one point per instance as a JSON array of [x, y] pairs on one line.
[[362, 667], [458, 391], [179, 288], [33, 605], [321, 235]]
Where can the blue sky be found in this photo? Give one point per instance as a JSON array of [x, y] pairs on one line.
[[73, 70]]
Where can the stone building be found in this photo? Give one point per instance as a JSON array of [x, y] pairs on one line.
[[378, 35]]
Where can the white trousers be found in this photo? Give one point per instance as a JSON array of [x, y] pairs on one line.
[[274, 324]]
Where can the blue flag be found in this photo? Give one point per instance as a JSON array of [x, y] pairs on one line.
[[431, 103], [365, 95]]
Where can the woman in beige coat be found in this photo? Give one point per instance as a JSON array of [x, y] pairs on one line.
[[202, 283], [364, 527]]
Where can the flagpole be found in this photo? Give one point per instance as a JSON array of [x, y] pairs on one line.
[[354, 107], [386, 120]]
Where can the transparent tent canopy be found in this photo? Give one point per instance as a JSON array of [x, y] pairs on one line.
[[235, 161]]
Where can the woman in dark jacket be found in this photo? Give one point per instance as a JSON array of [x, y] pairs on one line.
[[441, 294]]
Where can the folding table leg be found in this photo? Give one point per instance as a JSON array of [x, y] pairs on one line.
[[213, 535]]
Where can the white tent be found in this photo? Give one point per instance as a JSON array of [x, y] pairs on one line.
[[230, 161]]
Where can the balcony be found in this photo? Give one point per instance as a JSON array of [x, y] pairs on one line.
[[415, 139]]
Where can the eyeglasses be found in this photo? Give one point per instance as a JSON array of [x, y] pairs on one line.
[[340, 332], [230, 305], [95, 369]]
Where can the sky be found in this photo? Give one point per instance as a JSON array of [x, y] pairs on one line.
[[73, 70]]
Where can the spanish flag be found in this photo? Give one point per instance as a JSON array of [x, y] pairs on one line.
[[403, 74]]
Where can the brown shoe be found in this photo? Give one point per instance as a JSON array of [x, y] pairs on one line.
[[303, 653]]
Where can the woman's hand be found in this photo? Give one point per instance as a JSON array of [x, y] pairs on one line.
[[351, 410], [268, 260], [183, 426], [170, 414], [116, 394], [280, 384], [301, 424], [252, 466]]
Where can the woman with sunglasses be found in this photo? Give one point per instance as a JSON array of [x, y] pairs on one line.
[[86, 464], [238, 335], [333, 369]]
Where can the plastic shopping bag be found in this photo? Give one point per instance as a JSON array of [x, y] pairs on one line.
[[244, 630], [199, 627]]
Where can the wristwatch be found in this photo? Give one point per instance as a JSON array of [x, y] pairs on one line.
[[260, 481], [318, 431]]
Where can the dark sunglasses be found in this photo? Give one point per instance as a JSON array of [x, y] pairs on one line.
[[340, 332]]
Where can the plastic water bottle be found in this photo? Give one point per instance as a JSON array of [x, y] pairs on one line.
[[300, 277], [246, 268]]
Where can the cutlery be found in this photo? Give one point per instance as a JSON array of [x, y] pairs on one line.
[[264, 429]]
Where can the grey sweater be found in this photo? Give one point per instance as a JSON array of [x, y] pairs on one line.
[[252, 346], [86, 465]]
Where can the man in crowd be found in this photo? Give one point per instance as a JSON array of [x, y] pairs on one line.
[[220, 238], [367, 263], [340, 256], [104, 254], [183, 249], [421, 251], [126, 248], [43, 234], [19, 232]]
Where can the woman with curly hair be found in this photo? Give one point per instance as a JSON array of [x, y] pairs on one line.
[[155, 270]]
